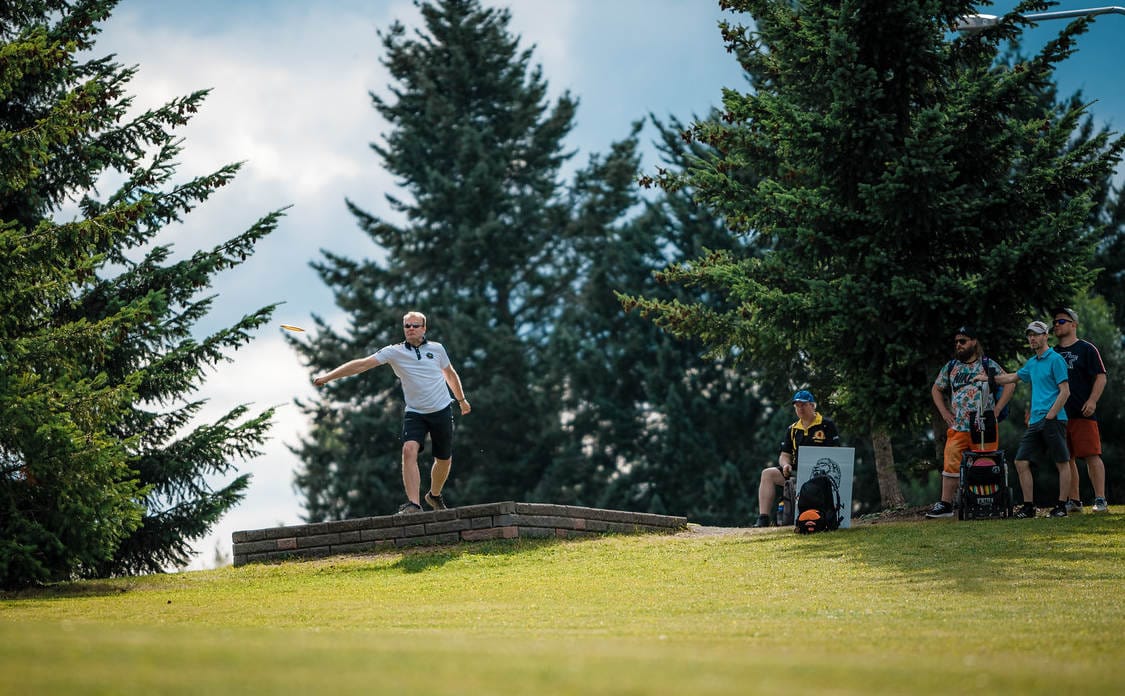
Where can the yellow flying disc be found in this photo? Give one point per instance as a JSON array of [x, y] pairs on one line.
[[290, 327]]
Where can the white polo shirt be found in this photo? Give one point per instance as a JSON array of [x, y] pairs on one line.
[[420, 371]]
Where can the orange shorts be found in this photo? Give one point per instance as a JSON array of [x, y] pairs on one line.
[[956, 442], [1083, 438]]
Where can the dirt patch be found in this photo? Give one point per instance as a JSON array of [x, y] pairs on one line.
[[902, 514]]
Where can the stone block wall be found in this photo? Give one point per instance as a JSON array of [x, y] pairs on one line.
[[506, 520]]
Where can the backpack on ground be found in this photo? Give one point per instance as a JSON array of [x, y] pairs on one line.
[[818, 505]]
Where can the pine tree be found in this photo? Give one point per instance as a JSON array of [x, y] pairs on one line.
[[482, 251], [103, 471], [901, 188], [653, 422]]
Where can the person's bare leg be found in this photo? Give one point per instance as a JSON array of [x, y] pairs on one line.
[[1095, 467], [411, 477], [1064, 479], [767, 489], [1072, 493], [439, 473], [949, 485], [1027, 484]]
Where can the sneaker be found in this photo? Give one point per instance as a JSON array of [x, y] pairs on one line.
[[940, 509], [436, 502], [1100, 505], [408, 507], [1058, 511], [1073, 505], [1026, 512], [763, 521]]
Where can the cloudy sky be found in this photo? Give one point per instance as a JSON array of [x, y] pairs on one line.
[[290, 83]]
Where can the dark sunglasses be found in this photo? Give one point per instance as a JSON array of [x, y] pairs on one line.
[[1062, 321], [962, 341], [413, 326]]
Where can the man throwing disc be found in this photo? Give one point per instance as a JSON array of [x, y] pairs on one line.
[[427, 379]]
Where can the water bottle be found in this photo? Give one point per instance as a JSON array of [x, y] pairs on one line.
[[781, 512]]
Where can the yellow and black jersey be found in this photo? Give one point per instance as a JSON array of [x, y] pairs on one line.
[[821, 433]]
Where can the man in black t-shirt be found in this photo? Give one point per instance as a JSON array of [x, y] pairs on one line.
[[1087, 378]]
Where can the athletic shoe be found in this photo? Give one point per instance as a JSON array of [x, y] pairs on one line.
[[940, 509], [763, 521], [1058, 511], [1073, 505], [436, 502], [1026, 512], [408, 507], [1100, 505]]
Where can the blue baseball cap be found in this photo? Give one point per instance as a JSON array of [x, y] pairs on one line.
[[805, 396]]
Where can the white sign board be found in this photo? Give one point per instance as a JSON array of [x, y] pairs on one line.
[[837, 462]]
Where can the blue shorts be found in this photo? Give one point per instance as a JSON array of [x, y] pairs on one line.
[[438, 424], [1044, 437]]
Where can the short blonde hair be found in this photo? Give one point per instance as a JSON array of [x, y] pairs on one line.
[[413, 313]]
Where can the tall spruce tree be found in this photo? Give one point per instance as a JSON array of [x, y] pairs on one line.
[[103, 471], [901, 188], [482, 250], [653, 422]]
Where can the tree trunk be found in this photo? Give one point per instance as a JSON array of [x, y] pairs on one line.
[[889, 492], [939, 437]]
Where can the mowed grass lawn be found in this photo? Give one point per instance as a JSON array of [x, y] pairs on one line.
[[1019, 606]]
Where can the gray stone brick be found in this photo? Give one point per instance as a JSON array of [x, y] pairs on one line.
[[379, 534], [413, 530], [543, 509], [454, 525], [486, 510], [318, 540], [256, 546], [549, 521], [483, 534], [363, 546]]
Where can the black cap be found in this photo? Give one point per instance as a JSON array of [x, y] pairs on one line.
[[966, 331]]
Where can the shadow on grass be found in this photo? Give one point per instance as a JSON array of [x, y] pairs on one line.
[[972, 554], [67, 590], [421, 559]]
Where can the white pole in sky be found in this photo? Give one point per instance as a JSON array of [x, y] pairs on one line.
[[982, 21]]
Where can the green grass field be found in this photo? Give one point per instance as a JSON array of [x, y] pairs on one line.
[[1027, 606]]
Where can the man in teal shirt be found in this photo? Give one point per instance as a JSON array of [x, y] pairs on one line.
[[1046, 372]]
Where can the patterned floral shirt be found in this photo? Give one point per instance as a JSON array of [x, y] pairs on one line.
[[956, 379]]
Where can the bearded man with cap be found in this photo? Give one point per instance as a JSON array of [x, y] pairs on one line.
[[1087, 381], [1045, 437], [957, 397], [812, 429]]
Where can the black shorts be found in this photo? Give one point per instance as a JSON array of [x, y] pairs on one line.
[[1044, 437], [438, 424]]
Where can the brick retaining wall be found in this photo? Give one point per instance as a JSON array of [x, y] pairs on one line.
[[507, 520]]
